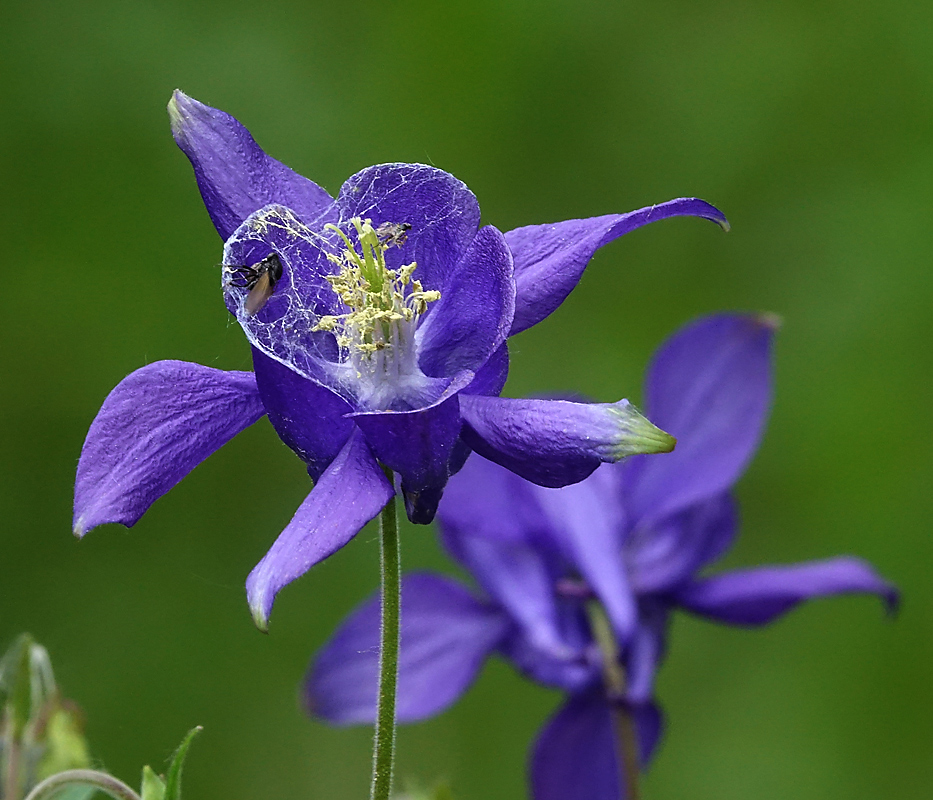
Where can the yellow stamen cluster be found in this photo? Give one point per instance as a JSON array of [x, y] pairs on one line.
[[381, 300]]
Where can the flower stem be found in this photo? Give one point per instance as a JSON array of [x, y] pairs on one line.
[[11, 782], [623, 722], [384, 743], [82, 777]]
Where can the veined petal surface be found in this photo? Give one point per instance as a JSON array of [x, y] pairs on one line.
[[557, 442], [351, 491], [550, 259], [157, 425], [472, 318], [442, 211], [234, 175]]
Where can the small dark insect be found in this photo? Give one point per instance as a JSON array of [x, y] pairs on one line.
[[260, 278], [393, 234]]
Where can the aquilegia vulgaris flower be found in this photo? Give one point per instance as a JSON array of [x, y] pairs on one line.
[[632, 540], [378, 325]]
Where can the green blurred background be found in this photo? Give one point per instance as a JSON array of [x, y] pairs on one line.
[[808, 123]]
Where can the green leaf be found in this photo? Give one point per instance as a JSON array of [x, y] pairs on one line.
[[173, 780], [153, 787], [15, 685]]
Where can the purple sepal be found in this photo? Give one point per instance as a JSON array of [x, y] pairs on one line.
[[757, 596], [472, 318], [157, 425], [446, 637], [575, 755], [549, 442], [550, 259], [234, 175], [710, 387], [351, 491], [308, 417]]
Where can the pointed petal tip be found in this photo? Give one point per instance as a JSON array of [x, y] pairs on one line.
[[260, 619], [260, 605], [637, 434], [770, 320]]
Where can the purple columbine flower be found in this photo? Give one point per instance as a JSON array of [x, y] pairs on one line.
[[378, 324], [635, 537]]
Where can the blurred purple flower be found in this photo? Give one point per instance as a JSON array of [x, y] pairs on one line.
[[378, 324], [634, 536]]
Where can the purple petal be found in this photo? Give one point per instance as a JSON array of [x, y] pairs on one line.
[[234, 175], [663, 554], [442, 211], [488, 501], [284, 327], [645, 650], [419, 446], [556, 442], [446, 636], [758, 596], [550, 259], [472, 318], [309, 418], [490, 378], [155, 427], [588, 522], [572, 665], [575, 755], [710, 386], [352, 490]]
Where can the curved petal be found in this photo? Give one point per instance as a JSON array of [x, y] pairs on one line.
[[663, 554], [574, 757], [442, 211], [759, 596], [710, 386], [446, 637], [491, 377], [155, 427], [588, 522], [234, 175], [550, 259], [472, 318], [419, 446], [284, 327], [352, 490], [556, 442], [309, 418]]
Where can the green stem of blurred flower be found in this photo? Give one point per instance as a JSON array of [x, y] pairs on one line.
[[82, 777], [384, 743], [622, 720], [11, 781]]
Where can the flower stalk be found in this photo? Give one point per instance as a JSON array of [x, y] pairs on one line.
[[622, 721], [384, 739], [101, 781]]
